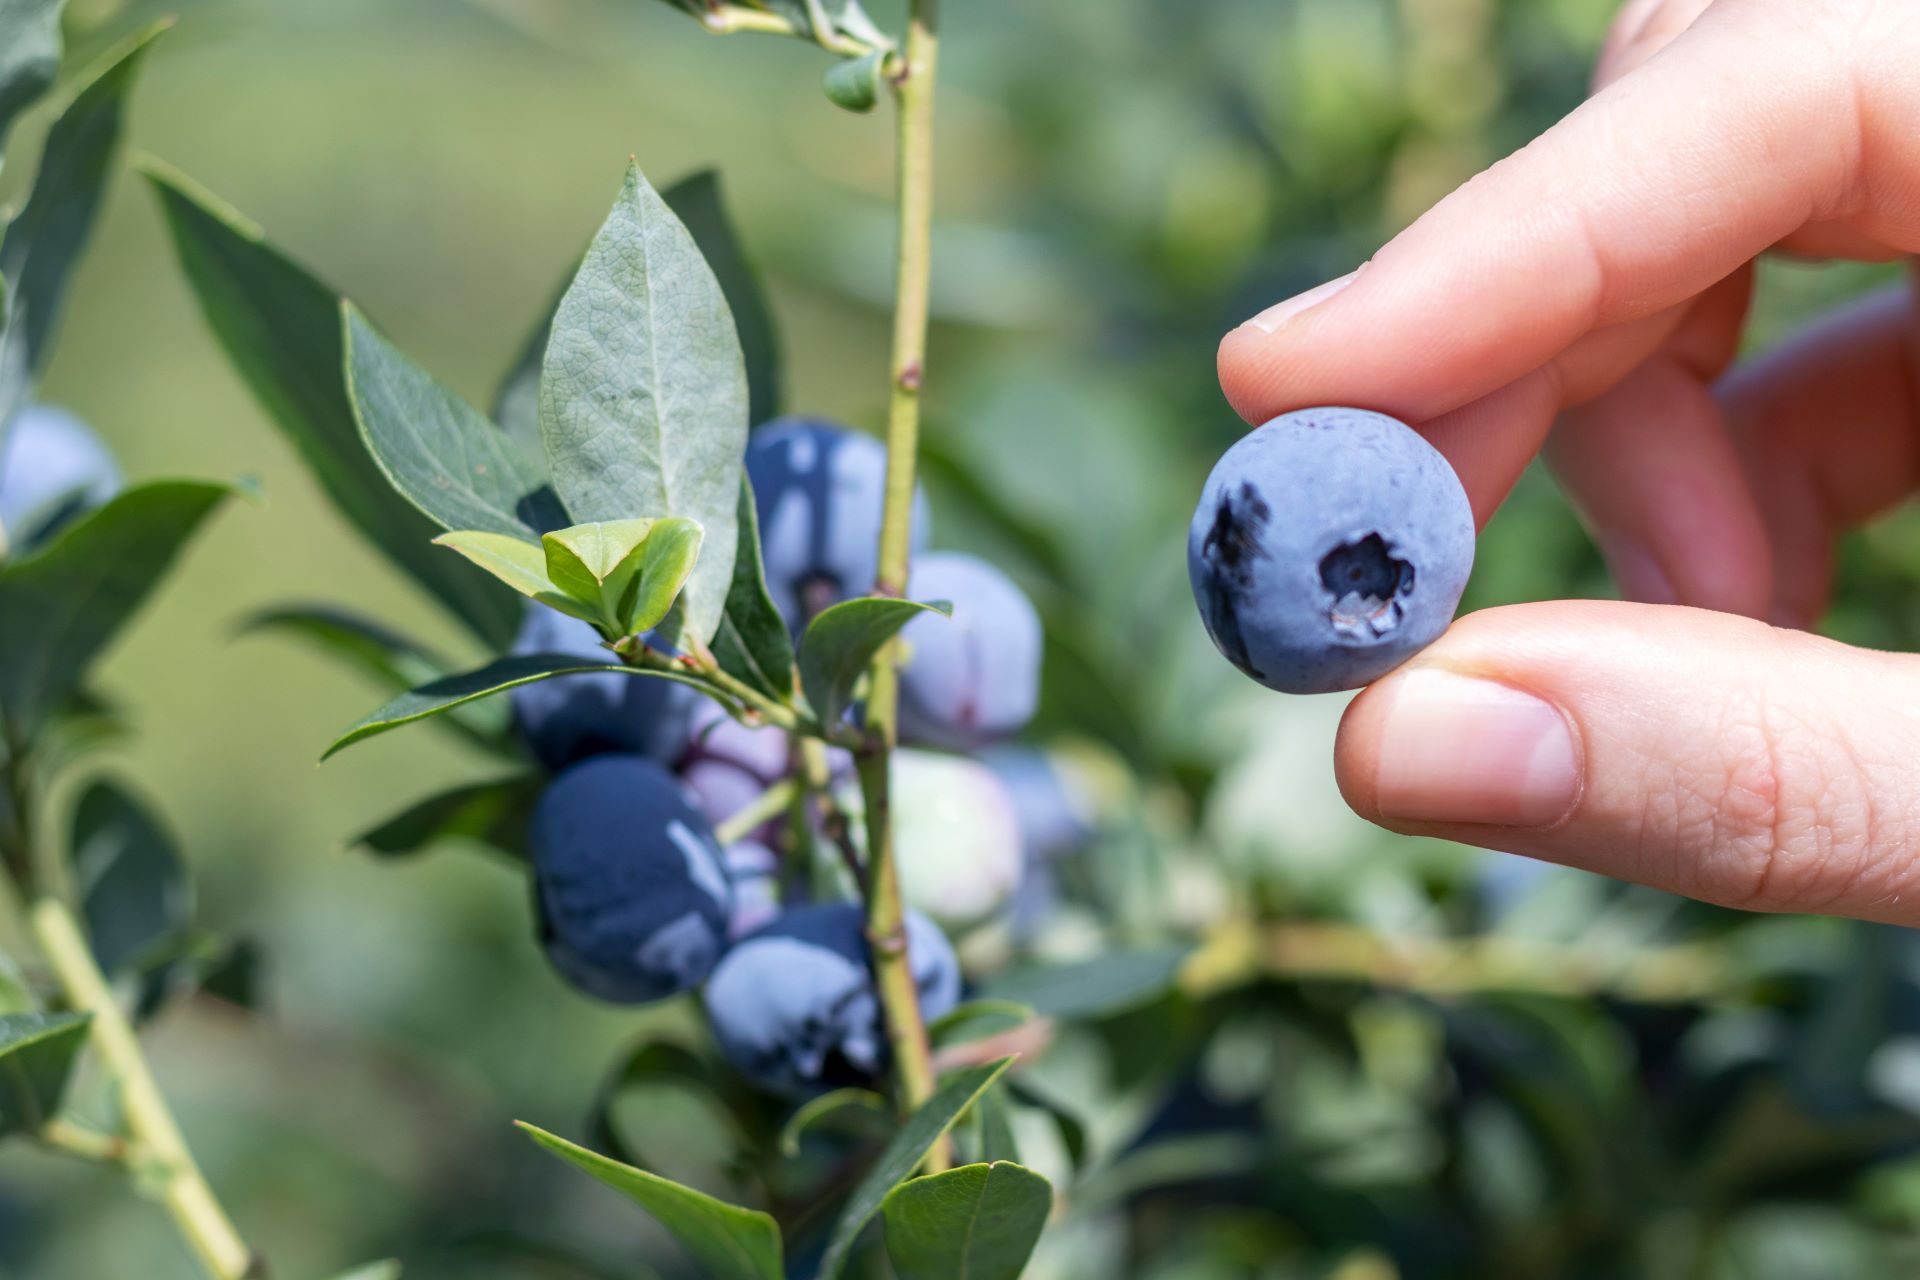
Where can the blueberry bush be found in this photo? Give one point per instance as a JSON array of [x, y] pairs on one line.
[[881, 872]]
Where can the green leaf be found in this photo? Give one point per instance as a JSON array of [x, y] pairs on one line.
[[977, 1222], [753, 643], [281, 329], [460, 470], [727, 1241], [29, 55], [587, 560], [643, 397], [443, 695], [671, 554], [1090, 989], [996, 1126], [854, 83], [392, 661], [127, 870], [42, 245], [520, 564], [492, 813], [840, 643], [37, 1051], [977, 1018], [62, 605], [904, 1154], [698, 203], [815, 1110]]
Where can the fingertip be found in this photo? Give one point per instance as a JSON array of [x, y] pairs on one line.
[[1356, 750]]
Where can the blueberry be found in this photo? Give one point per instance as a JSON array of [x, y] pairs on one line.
[[52, 468], [820, 490], [571, 718], [793, 1005], [956, 837], [630, 886], [1330, 546], [974, 678]]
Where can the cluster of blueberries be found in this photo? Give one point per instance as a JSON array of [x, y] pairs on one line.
[[52, 468], [638, 901]]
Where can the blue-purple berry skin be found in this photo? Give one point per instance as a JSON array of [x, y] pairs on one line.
[[572, 718], [972, 679], [1329, 547], [630, 885], [52, 468], [819, 490], [793, 1005]]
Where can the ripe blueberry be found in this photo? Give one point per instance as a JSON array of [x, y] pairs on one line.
[[793, 1006], [819, 490], [630, 886], [1329, 547], [571, 718], [956, 837], [974, 678], [52, 468]]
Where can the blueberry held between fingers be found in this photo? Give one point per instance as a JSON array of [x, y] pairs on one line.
[[630, 885], [570, 718], [52, 468], [820, 490], [974, 678], [1329, 547], [793, 1004]]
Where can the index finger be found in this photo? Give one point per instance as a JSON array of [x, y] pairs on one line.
[[1666, 182]]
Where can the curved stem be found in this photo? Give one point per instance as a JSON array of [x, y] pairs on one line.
[[182, 1188], [913, 85], [770, 804]]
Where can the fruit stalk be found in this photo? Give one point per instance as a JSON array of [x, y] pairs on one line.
[[913, 85], [182, 1187]]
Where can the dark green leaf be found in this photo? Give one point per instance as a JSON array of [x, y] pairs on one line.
[[977, 1222], [1113, 983], [840, 643], [727, 1241], [281, 329], [815, 1110], [904, 1154], [854, 83], [43, 244], [389, 659], [753, 643], [62, 605], [455, 466], [995, 1115], [29, 55], [37, 1051], [699, 202], [134, 894], [496, 677], [643, 396], [206, 963], [492, 813]]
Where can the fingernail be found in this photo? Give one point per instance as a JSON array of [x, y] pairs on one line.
[[1639, 576], [1460, 750], [1278, 314]]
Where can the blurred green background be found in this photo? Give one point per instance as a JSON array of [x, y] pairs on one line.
[[1120, 182]]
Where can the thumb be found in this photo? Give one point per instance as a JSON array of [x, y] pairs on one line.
[[1696, 752]]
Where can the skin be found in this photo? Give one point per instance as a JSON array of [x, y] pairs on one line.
[[1595, 287]]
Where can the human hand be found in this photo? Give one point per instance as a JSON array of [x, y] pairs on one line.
[[1586, 297]]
